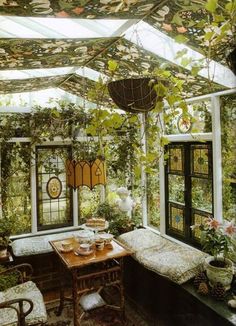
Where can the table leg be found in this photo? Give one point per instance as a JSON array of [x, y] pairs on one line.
[[75, 298], [62, 290], [122, 296]]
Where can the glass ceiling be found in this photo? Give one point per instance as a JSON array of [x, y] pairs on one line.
[[142, 34], [25, 101], [28, 27], [164, 46]]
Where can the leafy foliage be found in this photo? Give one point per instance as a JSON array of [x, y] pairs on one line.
[[216, 238], [8, 280]]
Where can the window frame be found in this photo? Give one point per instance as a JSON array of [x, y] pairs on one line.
[[186, 206]]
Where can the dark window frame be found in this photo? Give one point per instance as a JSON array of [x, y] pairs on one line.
[[188, 210]]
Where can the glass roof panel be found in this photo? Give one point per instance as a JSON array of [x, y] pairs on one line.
[[30, 73], [91, 74], [28, 27], [22, 102], [162, 45]]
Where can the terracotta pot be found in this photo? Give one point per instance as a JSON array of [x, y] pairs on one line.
[[223, 275]]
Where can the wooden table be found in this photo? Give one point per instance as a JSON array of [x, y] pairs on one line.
[[92, 273]]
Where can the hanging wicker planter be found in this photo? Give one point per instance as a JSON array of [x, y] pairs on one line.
[[133, 95]]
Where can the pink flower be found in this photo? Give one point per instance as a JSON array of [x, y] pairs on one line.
[[181, 29], [62, 14], [230, 229], [167, 27], [212, 223], [78, 10]]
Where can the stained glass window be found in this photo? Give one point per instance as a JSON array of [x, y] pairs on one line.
[[201, 160], [188, 190], [54, 196], [176, 160], [198, 218], [176, 213]]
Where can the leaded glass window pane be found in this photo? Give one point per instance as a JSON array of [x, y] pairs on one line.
[[54, 196], [198, 218], [176, 188], [202, 194], [176, 220], [200, 160], [176, 160]]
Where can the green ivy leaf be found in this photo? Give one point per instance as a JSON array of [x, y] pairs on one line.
[[211, 5], [160, 89], [181, 39], [177, 20], [195, 70], [181, 53], [186, 61], [164, 141], [159, 107], [112, 65]]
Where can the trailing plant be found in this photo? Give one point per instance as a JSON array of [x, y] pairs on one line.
[[8, 280], [7, 227]]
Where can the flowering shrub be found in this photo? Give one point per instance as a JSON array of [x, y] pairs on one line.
[[216, 238]]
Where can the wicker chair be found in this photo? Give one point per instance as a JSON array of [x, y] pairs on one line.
[[22, 304]]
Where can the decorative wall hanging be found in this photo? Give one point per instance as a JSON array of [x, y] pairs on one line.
[[85, 173], [133, 95], [184, 123], [54, 187]]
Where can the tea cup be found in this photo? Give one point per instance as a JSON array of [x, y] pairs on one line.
[[66, 245], [84, 246], [99, 243]]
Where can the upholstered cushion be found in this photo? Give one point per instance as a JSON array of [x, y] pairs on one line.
[[37, 245], [177, 262], [141, 239], [26, 290]]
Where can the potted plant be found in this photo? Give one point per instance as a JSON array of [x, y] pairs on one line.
[[216, 239], [6, 228]]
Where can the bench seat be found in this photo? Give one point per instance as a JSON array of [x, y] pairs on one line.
[[175, 261], [37, 245]]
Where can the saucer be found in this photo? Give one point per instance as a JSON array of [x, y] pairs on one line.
[[83, 252]]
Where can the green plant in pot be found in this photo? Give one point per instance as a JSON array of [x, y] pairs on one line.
[[119, 222], [216, 239], [6, 229]]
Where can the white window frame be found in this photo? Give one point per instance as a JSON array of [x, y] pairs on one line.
[[215, 137]]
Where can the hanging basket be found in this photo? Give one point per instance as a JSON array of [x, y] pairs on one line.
[[133, 95]]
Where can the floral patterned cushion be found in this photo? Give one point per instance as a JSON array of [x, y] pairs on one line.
[[26, 290], [37, 245], [177, 262], [141, 239]]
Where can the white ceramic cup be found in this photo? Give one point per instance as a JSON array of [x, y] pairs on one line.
[[66, 245], [84, 246], [99, 244]]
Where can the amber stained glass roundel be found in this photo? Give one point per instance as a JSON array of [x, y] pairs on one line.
[[54, 187]]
